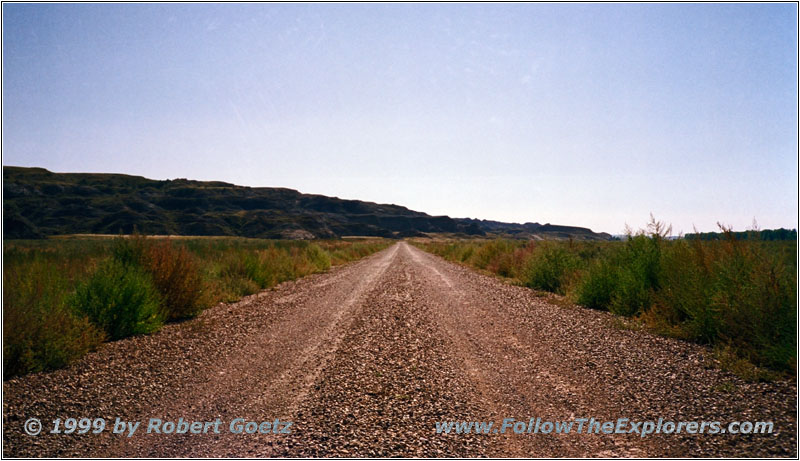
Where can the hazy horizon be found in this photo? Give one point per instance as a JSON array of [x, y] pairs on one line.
[[592, 115]]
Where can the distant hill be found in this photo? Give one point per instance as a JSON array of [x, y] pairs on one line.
[[38, 203]]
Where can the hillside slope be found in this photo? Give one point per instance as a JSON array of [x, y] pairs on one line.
[[37, 203]]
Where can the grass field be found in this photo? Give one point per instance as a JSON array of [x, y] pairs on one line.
[[63, 297], [737, 295]]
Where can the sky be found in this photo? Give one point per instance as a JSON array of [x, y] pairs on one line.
[[593, 115]]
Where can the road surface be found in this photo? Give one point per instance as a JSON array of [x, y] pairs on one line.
[[366, 359]]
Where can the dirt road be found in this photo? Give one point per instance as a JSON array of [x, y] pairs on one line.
[[366, 359]]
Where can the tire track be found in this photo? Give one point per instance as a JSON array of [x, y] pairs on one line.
[[389, 383]]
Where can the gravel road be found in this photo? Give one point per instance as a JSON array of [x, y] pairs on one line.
[[364, 361]]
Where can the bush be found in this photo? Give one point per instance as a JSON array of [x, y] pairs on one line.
[[63, 297], [467, 253], [598, 286], [342, 251], [270, 267], [319, 258], [631, 292], [739, 296], [731, 293], [549, 268], [273, 265], [174, 272], [40, 332], [120, 299], [488, 255], [625, 278], [687, 293], [130, 251], [757, 299], [236, 287], [176, 275]]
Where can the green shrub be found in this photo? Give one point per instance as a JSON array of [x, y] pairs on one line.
[[757, 299], [173, 269], [642, 254], [625, 278], [275, 266], [549, 267], [236, 287], [343, 251], [631, 293], [504, 264], [687, 292], [120, 299], [52, 286], [176, 275], [597, 287], [736, 295], [489, 253], [731, 293], [319, 258], [232, 279], [130, 251], [40, 332], [271, 266], [254, 270], [467, 253]]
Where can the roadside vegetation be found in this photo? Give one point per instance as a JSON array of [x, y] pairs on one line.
[[63, 297], [735, 294]]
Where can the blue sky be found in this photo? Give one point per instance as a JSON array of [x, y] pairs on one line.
[[582, 114]]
